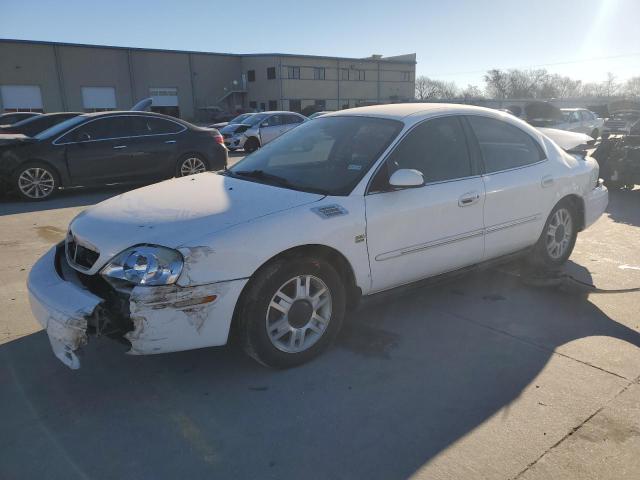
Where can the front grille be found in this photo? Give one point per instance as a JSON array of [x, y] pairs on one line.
[[80, 255]]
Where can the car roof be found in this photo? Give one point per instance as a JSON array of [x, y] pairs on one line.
[[401, 111], [132, 112], [273, 112]]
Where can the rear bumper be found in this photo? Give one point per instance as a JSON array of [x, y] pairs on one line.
[[595, 203], [160, 319]]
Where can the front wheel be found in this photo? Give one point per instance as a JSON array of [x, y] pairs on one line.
[[36, 181], [558, 237], [251, 145], [291, 312], [190, 165]]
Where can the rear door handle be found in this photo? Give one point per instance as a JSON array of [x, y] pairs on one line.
[[547, 181], [468, 198], [118, 147], [170, 141]]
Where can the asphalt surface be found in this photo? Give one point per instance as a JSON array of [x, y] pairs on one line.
[[482, 377]]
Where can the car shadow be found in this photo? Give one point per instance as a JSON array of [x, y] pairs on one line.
[[409, 376], [11, 204], [623, 206]]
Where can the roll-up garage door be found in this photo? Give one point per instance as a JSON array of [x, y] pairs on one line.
[[97, 99], [25, 98], [165, 100]]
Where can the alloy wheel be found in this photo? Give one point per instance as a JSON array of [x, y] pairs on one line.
[[299, 314], [191, 166], [36, 183], [559, 233]]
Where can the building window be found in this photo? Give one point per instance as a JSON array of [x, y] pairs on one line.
[[321, 104], [318, 73], [345, 105], [406, 76], [251, 75], [273, 104], [271, 73], [360, 75], [21, 98], [293, 73], [253, 104], [295, 105], [165, 101], [99, 99], [263, 106], [345, 73]]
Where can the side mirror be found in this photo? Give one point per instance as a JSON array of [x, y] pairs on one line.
[[264, 124], [84, 137], [406, 178]]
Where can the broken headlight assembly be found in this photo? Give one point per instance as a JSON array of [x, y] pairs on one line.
[[147, 265]]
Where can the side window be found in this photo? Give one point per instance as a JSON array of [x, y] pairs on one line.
[[274, 121], [437, 148], [101, 129], [293, 119], [504, 146], [586, 116], [153, 126]]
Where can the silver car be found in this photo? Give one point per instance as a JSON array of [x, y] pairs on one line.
[[581, 120], [261, 128]]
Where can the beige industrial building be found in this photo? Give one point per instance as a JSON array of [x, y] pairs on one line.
[[49, 77]]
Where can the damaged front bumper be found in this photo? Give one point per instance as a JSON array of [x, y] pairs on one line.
[[149, 319]]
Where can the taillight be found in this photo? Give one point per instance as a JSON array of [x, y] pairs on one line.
[[218, 138]]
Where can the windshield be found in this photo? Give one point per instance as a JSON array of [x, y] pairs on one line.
[[240, 118], [61, 127], [329, 155]]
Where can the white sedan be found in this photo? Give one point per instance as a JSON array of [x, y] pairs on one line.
[[277, 248]]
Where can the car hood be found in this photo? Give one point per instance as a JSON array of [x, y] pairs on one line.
[[567, 140], [179, 211]]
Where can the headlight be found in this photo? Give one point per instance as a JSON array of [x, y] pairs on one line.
[[145, 265]]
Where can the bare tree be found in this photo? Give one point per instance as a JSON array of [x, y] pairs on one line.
[[430, 89], [632, 87], [610, 85], [497, 83], [471, 91], [422, 87]]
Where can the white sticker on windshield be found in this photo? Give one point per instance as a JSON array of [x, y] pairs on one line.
[[353, 166]]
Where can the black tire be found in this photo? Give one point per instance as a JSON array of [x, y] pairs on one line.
[[541, 255], [47, 187], [595, 134], [254, 310], [251, 145], [181, 166]]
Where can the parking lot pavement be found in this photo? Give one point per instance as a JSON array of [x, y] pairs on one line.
[[482, 377]]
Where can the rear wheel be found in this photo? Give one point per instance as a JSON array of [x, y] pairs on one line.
[[558, 236], [190, 165], [251, 145], [291, 312], [36, 181]]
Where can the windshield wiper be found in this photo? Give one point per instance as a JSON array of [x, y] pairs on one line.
[[262, 175], [276, 179]]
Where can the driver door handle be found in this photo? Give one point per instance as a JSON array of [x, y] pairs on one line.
[[468, 198], [118, 147]]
